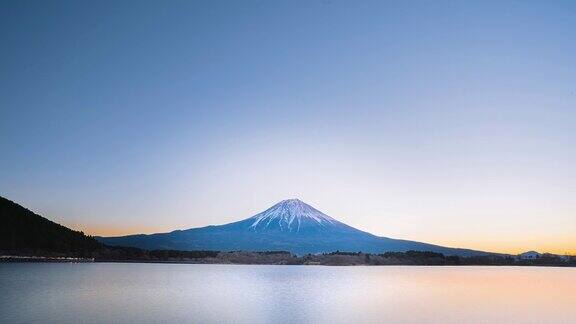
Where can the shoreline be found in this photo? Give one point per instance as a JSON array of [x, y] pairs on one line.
[[42, 259], [32, 259]]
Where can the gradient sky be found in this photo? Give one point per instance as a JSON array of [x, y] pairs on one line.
[[450, 122]]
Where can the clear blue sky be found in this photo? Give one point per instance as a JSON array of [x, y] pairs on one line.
[[452, 122]]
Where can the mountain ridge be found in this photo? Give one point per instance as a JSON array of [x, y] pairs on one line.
[[290, 225], [24, 231]]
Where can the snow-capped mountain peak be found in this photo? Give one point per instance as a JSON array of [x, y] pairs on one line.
[[290, 215], [290, 225]]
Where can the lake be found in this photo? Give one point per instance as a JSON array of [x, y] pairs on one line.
[[154, 293]]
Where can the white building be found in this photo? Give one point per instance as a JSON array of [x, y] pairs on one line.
[[530, 255]]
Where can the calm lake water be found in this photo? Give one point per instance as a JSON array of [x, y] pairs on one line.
[[154, 293]]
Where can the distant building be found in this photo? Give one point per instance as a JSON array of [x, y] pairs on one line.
[[530, 255]]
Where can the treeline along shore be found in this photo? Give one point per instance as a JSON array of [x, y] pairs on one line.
[[413, 258], [337, 258]]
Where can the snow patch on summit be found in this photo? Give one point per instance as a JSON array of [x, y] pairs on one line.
[[290, 215]]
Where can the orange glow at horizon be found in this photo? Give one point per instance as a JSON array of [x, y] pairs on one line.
[[102, 230], [555, 245], [559, 246]]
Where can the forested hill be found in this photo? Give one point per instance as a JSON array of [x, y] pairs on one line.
[[24, 232]]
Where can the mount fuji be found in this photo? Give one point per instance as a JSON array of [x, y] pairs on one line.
[[290, 225]]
